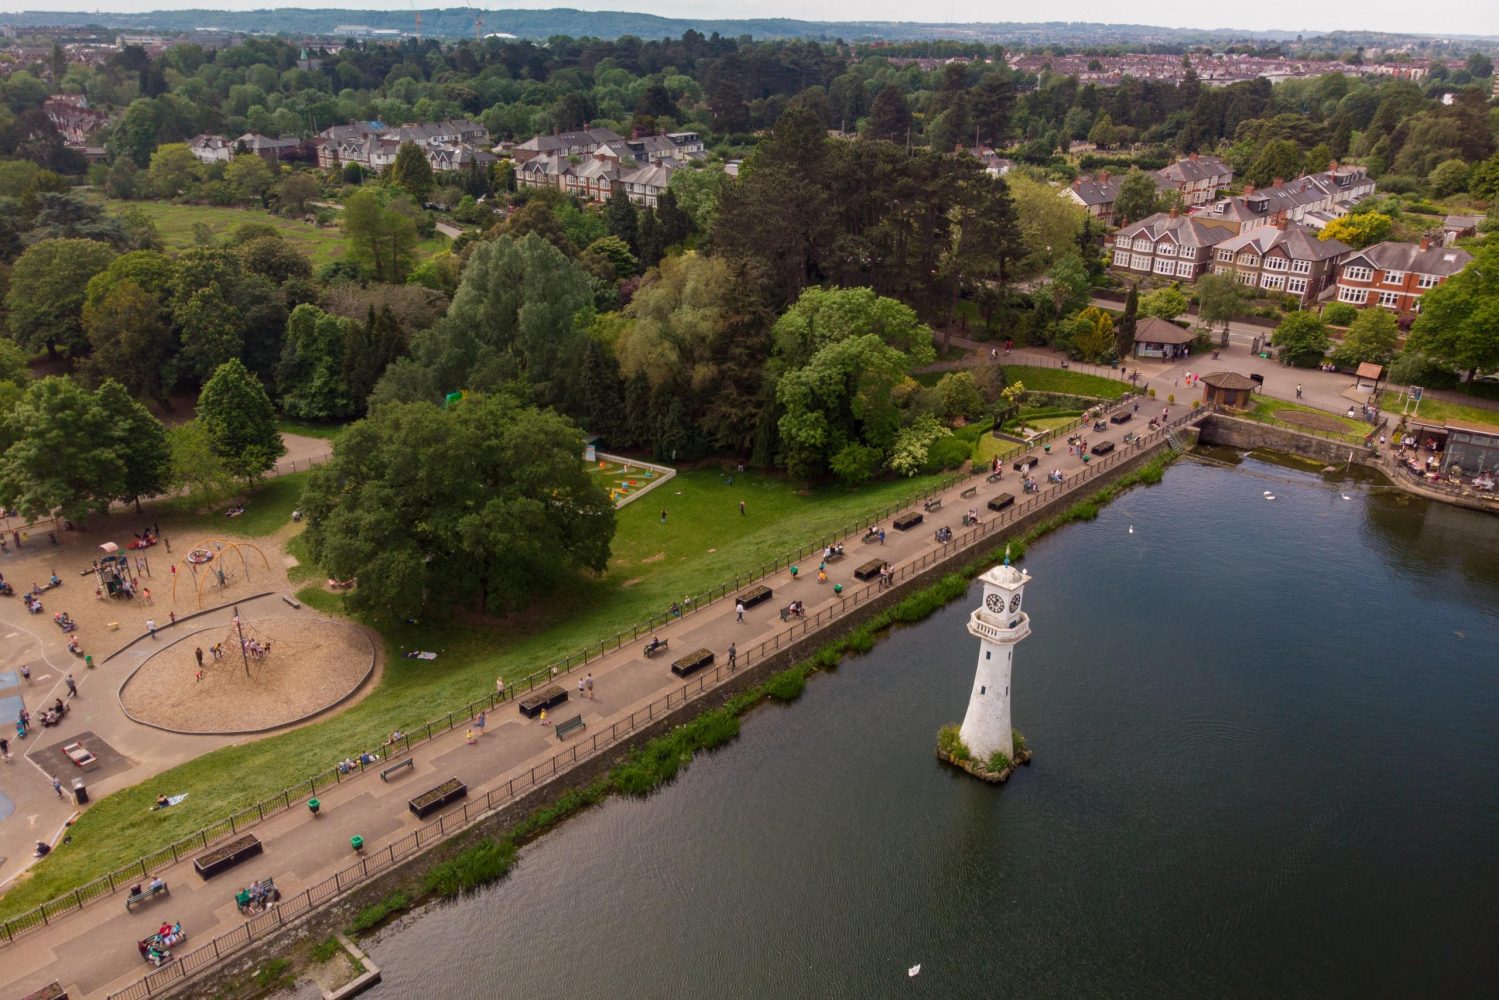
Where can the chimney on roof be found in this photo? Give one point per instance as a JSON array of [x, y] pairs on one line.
[[1280, 224], [1425, 243], [1280, 182], [1248, 190], [1103, 176], [1077, 183], [1193, 157], [1175, 212], [1332, 167]]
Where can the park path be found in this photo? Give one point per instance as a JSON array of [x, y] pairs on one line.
[[92, 951]]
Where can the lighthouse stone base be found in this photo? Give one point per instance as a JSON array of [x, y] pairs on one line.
[[980, 769]]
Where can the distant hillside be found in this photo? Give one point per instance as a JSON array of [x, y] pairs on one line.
[[454, 22]]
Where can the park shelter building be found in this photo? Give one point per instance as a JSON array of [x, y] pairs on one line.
[[1228, 389], [1158, 338]]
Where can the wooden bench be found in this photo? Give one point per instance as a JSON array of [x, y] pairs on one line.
[[692, 662], [291, 600], [564, 729], [1002, 501], [972, 491], [222, 858], [1121, 417], [112, 626], [409, 763], [245, 900], [435, 798], [755, 595], [869, 570], [909, 520], [1102, 448], [145, 895], [1026, 463], [935, 503], [534, 704]]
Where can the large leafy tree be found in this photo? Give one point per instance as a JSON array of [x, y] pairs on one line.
[[1219, 299], [412, 171], [1138, 197], [382, 239], [240, 421], [310, 378], [514, 319], [483, 504], [140, 441], [1049, 225], [1302, 339], [1459, 321], [1279, 158], [248, 177], [47, 286], [1358, 230], [1372, 336], [68, 460], [889, 115]]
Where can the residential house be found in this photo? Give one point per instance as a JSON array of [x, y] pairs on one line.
[[994, 164], [1457, 227], [451, 144], [1169, 245], [208, 149], [564, 144], [1197, 178], [1312, 199], [1096, 193], [1394, 275], [1288, 258], [644, 184], [270, 150], [73, 119]]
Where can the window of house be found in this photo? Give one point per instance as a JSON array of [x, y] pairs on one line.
[[1121, 258], [1296, 286], [1394, 277], [1140, 262], [1358, 273], [1249, 259], [1227, 256], [1352, 296], [1301, 267], [1427, 281], [1220, 269], [1248, 277], [1189, 253], [1184, 269], [1390, 300], [1166, 249], [1142, 244], [1164, 266], [1274, 282], [1275, 263]]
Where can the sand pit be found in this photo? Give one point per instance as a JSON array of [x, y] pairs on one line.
[[313, 665]]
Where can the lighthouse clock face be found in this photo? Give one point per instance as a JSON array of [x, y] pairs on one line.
[[1014, 604], [995, 603]]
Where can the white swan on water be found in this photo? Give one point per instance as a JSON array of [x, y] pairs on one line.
[[913, 970]]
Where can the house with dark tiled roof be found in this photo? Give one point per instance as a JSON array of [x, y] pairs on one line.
[[1395, 275], [576, 143], [1169, 245], [450, 144], [1197, 178], [1288, 258], [1096, 193]]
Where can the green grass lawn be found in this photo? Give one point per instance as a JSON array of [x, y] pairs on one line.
[[1268, 410], [704, 542], [1066, 381], [268, 507], [1439, 411], [323, 245]]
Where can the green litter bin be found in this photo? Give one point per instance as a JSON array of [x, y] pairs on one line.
[[356, 842], [794, 571], [88, 661], [313, 805], [837, 588]]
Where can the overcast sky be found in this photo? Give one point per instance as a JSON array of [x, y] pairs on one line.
[[1469, 17]]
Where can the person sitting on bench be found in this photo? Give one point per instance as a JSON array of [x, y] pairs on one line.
[[654, 644], [367, 758], [42, 849], [157, 884]]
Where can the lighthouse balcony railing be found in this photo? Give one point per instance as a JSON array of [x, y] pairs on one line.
[[983, 625]]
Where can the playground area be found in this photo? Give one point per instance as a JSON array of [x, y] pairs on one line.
[[255, 675], [624, 480]]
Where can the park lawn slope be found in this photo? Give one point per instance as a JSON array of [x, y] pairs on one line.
[[704, 542], [1036, 379]]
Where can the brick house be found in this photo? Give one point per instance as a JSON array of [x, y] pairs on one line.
[[1394, 275], [1096, 193], [564, 144], [1287, 258], [1197, 178], [1168, 245]]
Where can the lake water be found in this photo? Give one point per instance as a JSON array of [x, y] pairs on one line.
[[1267, 763]]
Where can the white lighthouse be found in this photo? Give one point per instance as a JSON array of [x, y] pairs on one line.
[[999, 624]]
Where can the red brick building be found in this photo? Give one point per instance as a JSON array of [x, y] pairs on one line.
[[1394, 275]]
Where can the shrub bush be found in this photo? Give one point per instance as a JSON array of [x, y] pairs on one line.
[[476, 867], [787, 685], [372, 916], [998, 761], [950, 743]]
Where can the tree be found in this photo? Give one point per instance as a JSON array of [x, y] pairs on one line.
[[1166, 303], [889, 115], [1479, 65], [1049, 225], [1358, 230], [1138, 197], [991, 104], [382, 240], [412, 171], [1483, 181], [195, 466], [1459, 321], [621, 219], [483, 504], [240, 421], [1219, 299], [129, 338], [1372, 336], [248, 177], [1103, 134], [1448, 177], [45, 300], [295, 191], [1067, 287], [1302, 339], [68, 463], [310, 377], [1093, 334], [139, 440], [173, 170], [1279, 158], [1124, 333], [15, 364]]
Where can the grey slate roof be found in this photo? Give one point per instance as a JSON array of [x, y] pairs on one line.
[[1183, 229], [1299, 243], [1391, 256], [1154, 330]]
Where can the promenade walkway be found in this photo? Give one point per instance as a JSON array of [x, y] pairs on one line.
[[92, 951]]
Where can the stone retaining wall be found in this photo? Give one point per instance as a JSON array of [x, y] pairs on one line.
[[1250, 434]]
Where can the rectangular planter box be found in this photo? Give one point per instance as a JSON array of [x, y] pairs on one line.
[[909, 520], [223, 858], [1121, 417], [1102, 448], [52, 991], [755, 595], [1026, 462], [869, 570], [1002, 501], [531, 706], [692, 662], [429, 802]]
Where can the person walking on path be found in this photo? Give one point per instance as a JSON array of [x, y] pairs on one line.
[[5, 749], [26, 674], [581, 686], [663, 515], [741, 509], [72, 686], [589, 683], [739, 611], [481, 721], [882, 536], [57, 786], [499, 687], [1298, 390], [151, 627], [733, 657], [199, 654]]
